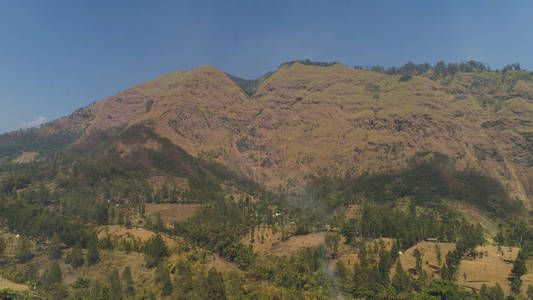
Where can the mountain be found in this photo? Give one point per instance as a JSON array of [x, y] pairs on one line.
[[303, 122], [310, 182]]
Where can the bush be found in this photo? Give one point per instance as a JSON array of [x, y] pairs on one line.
[[406, 77], [155, 250], [75, 257]]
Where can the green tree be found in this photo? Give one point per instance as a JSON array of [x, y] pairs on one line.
[[341, 271], [401, 281], [142, 208], [439, 254], [155, 250], [235, 284], [54, 248], [418, 257], [23, 251], [3, 244], [51, 276], [384, 265], [519, 269], [75, 257], [148, 105], [114, 286], [159, 224], [81, 289], [92, 253], [184, 280], [332, 243], [215, 285], [530, 292], [519, 265], [163, 278], [128, 280], [496, 292], [30, 272]]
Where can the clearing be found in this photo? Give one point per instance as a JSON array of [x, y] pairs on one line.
[[26, 157], [268, 242], [4, 283], [493, 267], [171, 212]]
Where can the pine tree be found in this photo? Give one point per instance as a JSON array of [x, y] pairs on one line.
[[51, 276], [2, 245], [120, 217], [384, 265], [332, 243], [162, 277], [519, 269], [23, 251], [114, 286], [128, 280], [519, 265], [418, 257], [143, 208], [155, 250], [75, 258], [30, 272], [395, 250], [92, 254], [439, 254], [530, 292], [159, 224], [215, 285], [54, 248], [496, 292], [401, 281]]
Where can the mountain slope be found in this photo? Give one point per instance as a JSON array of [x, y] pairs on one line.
[[306, 121]]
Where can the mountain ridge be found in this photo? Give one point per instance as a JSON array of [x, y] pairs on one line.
[[304, 121]]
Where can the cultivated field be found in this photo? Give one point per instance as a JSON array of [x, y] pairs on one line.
[[268, 242], [26, 157], [494, 267], [171, 212], [295, 243], [122, 231], [430, 262]]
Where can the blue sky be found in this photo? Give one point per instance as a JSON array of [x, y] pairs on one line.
[[57, 56]]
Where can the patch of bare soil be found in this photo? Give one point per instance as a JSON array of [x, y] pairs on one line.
[[109, 260], [269, 242], [264, 239], [348, 254], [26, 157], [171, 212], [295, 243], [214, 261], [156, 182], [430, 262], [118, 230], [4, 283], [494, 267]]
